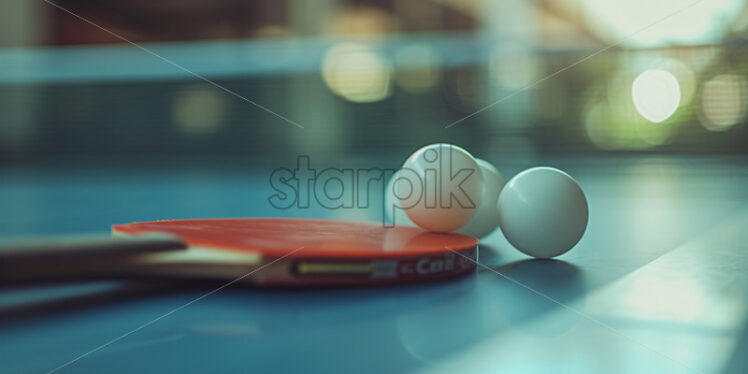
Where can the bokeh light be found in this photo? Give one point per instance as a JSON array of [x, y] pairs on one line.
[[685, 76], [199, 109], [613, 122], [357, 73], [656, 94], [514, 68], [596, 127], [653, 23], [723, 101], [361, 20]]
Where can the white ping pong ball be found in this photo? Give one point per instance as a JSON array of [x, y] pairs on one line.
[[445, 187], [486, 218], [543, 212]]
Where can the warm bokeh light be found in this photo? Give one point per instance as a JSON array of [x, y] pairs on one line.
[[361, 20], [653, 23], [723, 101], [514, 68], [199, 109], [686, 78], [656, 95], [612, 121], [357, 73]]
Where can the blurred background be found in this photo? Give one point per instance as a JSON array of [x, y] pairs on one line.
[[116, 111], [377, 77]]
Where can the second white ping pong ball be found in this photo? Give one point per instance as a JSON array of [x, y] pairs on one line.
[[440, 187], [486, 218], [543, 212]]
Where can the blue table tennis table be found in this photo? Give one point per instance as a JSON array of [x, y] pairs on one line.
[[658, 284]]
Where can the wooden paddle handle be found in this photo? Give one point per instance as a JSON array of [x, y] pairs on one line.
[[67, 259]]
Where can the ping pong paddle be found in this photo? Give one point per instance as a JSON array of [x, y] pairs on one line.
[[272, 252]]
